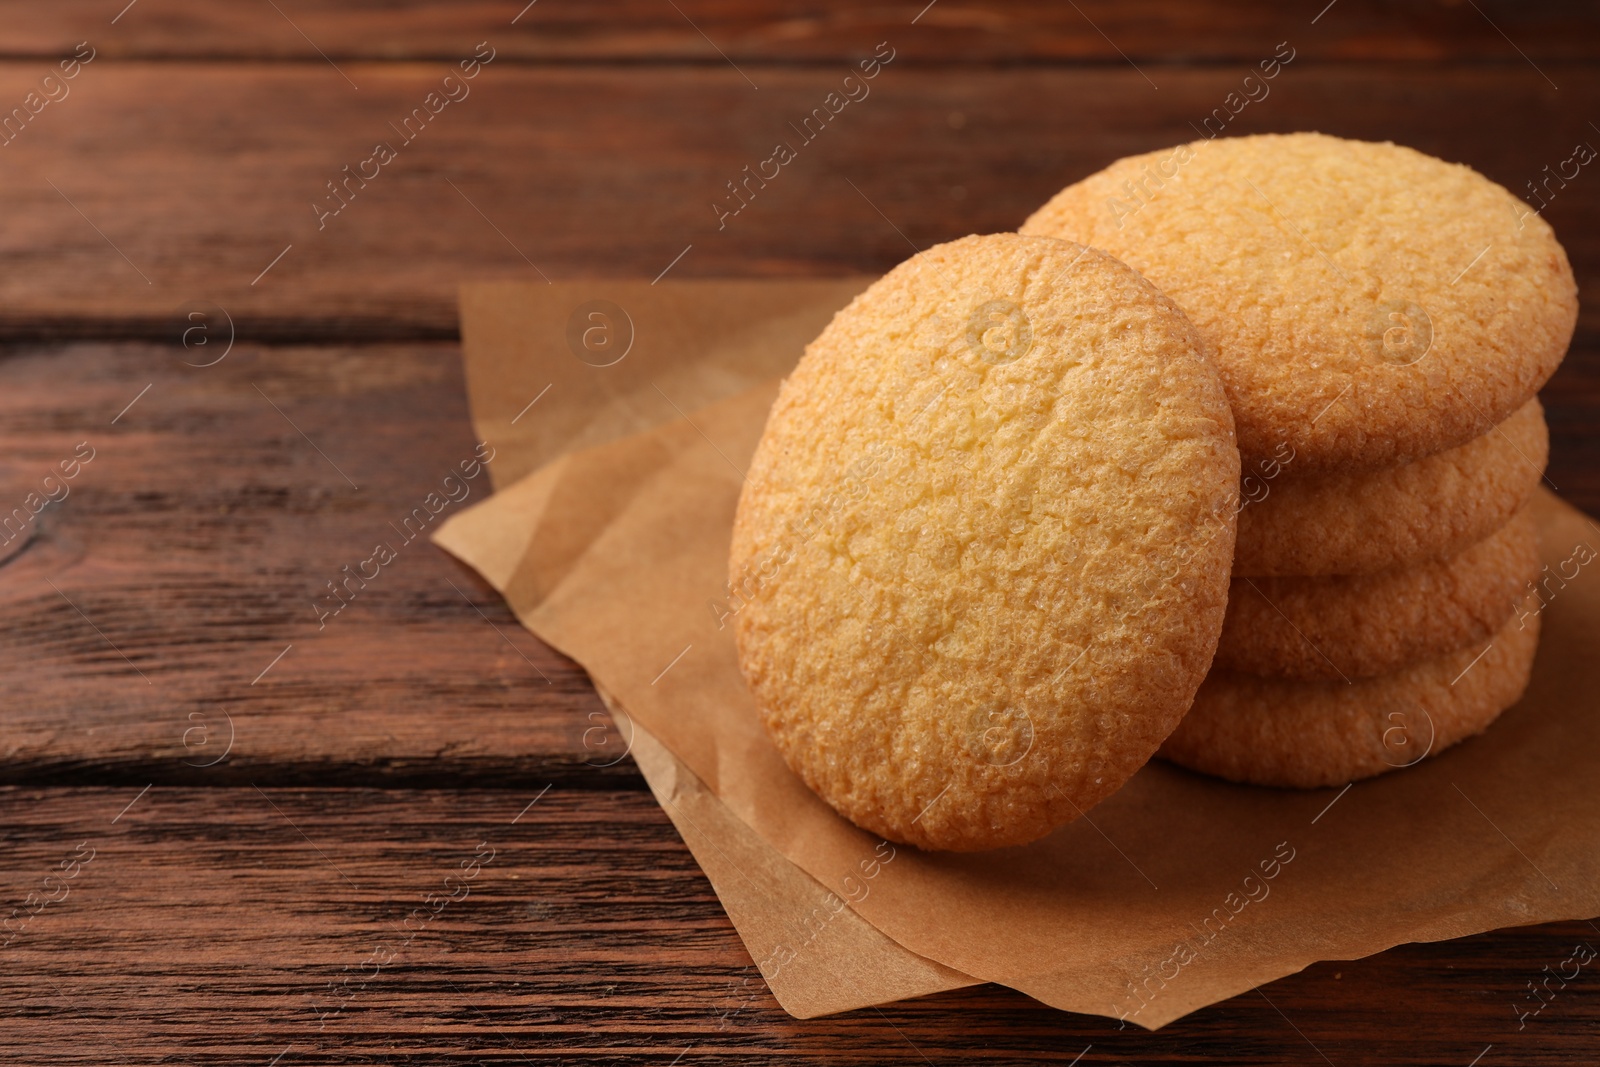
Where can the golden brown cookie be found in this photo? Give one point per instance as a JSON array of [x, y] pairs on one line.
[[981, 557], [1345, 627], [1368, 305], [1307, 734], [1359, 523]]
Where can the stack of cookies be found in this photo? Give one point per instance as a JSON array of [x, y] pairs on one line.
[[1381, 321], [1225, 457]]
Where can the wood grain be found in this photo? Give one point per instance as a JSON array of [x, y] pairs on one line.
[[715, 31], [197, 545], [236, 925], [205, 175]]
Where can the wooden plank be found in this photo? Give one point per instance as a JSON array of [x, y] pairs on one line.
[[235, 925], [204, 176], [138, 614], [790, 31], [143, 611], [1572, 408]]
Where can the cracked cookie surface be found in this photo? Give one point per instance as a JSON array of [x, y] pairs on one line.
[[1361, 522], [1357, 626], [1268, 731], [981, 555], [1367, 304]]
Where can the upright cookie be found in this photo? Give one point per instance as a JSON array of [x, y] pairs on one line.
[[1267, 731], [1358, 523], [982, 551], [1368, 305], [1344, 627]]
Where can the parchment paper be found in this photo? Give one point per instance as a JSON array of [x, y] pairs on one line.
[[1177, 892], [846, 963], [751, 332]]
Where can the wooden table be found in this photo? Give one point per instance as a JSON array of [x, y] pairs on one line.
[[227, 830]]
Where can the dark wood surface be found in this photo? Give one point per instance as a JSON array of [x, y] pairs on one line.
[[227, 159], [790, 31], [371, 760], [208, 925]]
